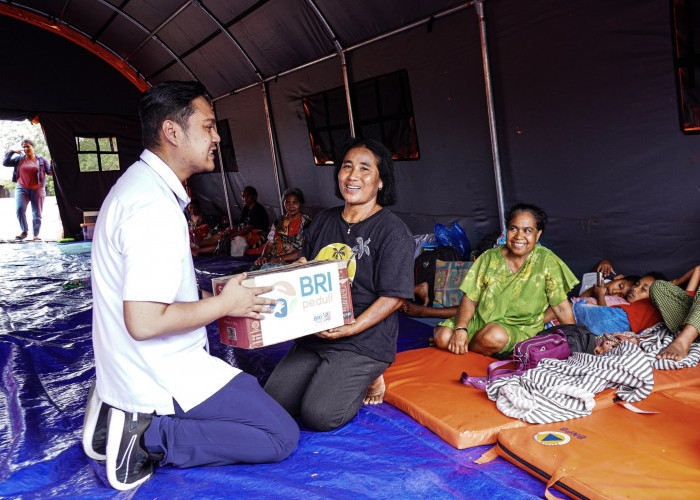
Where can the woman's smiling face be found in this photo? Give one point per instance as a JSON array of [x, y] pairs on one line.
[[292, 205], [358, 178], [522, 234]]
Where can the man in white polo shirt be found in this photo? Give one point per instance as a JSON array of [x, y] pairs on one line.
[[159, 396]]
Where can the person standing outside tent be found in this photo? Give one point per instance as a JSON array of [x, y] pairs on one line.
[[159, 395], [30, 175]]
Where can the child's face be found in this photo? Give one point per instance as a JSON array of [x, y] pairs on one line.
[[640, 290], [618, 287]]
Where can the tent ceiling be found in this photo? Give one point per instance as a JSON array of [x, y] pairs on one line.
[[229, 45]]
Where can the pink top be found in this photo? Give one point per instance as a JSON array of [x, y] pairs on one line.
[[29, 173]]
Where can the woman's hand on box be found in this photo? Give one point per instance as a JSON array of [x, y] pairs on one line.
[[338, 332]]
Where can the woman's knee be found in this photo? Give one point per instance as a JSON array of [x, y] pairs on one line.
[[321, 418], [491, 339], [442, 336]]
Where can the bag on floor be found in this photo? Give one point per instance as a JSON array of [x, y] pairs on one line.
[[526, 355], [579, 337]]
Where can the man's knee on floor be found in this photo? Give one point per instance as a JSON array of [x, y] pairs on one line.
[[286, 441]]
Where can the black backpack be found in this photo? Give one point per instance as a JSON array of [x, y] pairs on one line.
[[579, 338], [424, 267]]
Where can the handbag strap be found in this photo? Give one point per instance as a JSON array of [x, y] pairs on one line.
[[498, 365], [477, 382], [491, 375]]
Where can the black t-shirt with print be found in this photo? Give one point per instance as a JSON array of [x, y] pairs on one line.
[[382, 249]]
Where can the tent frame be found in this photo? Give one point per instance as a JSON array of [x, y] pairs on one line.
[[341, 53]]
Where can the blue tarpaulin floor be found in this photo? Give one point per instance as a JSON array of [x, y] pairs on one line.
[[46, 365]]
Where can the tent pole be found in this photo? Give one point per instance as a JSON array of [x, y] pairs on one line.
[[346, 83], [273, 147], [223, 183], [343, 61], [479, 4]]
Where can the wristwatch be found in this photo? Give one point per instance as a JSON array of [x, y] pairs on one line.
[[461, 328]]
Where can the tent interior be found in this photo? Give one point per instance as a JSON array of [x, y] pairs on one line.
[[587, 109]]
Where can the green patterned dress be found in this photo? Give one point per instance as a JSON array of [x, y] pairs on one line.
[[516, 301]]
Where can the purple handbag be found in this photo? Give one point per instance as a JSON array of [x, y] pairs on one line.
[[526, 355]]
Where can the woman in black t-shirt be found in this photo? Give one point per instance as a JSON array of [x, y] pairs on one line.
[[326, 377]]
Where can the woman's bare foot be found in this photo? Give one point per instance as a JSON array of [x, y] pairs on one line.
[[375, 392], [679, 348], [421, 291]]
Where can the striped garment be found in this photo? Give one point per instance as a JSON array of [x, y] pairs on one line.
[[558, 390]]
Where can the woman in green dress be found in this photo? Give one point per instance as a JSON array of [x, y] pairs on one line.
[[508, 290]]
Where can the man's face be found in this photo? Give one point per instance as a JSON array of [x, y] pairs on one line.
[[201, 138], [248, 198]]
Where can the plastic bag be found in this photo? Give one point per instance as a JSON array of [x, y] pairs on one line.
[[454, 237]]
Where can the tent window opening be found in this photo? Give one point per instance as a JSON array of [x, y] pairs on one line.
[[382, 109], [97, 153]]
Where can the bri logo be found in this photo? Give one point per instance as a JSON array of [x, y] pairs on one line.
[[320, 282]]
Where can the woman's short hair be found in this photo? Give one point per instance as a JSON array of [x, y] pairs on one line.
[[28, 141], [167, 101], [387, 195], [539, 214], [294, 192]]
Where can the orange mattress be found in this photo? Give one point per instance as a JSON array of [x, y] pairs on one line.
[[615, 453], [424, 383]]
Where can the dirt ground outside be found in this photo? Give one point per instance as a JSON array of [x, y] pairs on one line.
[[51, 227]]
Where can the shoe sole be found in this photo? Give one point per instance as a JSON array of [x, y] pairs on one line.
[[92, 415], [116, 419]]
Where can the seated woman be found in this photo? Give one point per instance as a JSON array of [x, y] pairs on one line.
[[680, 311], [201, 231], [326, 377], [508, 289], [284, 247]]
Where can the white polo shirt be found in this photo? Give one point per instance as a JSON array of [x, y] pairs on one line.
[[141, 252]]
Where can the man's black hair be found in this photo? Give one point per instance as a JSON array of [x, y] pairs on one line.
[[167, 101]]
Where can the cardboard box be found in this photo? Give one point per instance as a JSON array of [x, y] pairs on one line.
[[311, 297]]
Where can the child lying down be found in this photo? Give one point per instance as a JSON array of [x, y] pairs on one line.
[[639, 314], [651, 301]]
